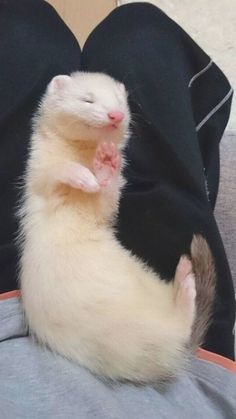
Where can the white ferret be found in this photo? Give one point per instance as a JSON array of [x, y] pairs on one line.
[[84, 295]]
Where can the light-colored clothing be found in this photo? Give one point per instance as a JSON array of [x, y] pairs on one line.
[[37, 384]]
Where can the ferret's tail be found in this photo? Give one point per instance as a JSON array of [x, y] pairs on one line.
[[205, 277]]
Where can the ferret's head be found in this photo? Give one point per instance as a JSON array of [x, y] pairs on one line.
[[86, 106]]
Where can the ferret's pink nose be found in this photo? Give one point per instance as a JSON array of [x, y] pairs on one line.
[[116, 116]]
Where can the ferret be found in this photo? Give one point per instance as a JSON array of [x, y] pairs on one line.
[[84, 295]]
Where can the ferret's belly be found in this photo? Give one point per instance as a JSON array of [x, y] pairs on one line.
[[66, 279], [96, 304]]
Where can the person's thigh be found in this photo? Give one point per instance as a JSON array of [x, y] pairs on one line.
[[180, 102], [35, 45], [38, 384]]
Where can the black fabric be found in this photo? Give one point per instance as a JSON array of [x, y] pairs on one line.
[[169, 157], [35, 45]]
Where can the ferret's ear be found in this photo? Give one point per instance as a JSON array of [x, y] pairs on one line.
[[58, 82]]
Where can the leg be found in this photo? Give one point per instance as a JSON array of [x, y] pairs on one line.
[[51, 386], [173, 140], [107, 169], [107, 163], [35, 45], [76, 176]]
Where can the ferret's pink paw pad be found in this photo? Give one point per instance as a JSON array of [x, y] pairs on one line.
[[106, 162]]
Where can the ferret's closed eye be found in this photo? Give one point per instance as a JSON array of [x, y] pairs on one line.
[[87, 99]]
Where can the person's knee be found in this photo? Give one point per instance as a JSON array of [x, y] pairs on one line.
[[35, 34], [142, 25], [130, 32], [141, 13], [35, 45]]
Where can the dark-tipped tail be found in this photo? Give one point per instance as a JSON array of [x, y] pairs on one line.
[[205, 276]]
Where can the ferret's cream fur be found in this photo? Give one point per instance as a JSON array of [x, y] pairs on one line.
[[84, 295]]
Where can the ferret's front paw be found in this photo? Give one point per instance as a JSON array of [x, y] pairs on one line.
[[80, 177], [106, 163]]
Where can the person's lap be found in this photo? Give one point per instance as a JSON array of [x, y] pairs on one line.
[[36, 383], [165, 201], [165, 172], [139, 45], [169, 157]]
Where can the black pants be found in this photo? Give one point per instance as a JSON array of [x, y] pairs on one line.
[[180, 103]]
